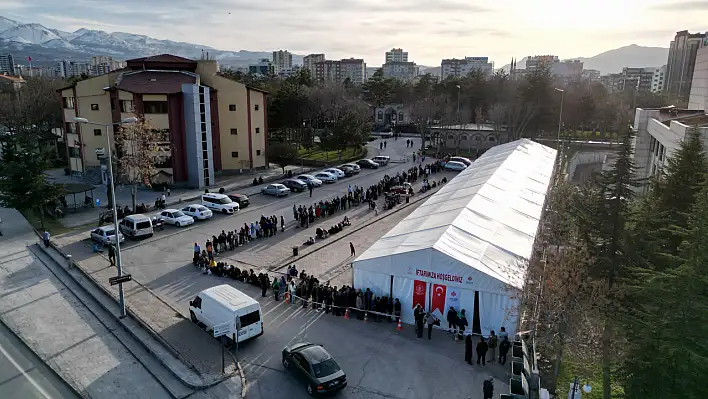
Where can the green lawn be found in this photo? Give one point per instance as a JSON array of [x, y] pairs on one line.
[[53, 226], [316, 154], [588, 374]]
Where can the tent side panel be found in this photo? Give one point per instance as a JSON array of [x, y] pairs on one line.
[[496, 311], [378, 283], [403, 290]]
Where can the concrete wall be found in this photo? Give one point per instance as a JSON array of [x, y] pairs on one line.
[[88, 92], [259, 135], [198, 143]]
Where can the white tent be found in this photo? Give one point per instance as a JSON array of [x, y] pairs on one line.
[[467, 244]]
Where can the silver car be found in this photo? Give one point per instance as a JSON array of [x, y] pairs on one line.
[[106, 235], [276, 189]]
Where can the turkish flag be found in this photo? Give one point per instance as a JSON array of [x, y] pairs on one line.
[[439, 298], [419, 291]]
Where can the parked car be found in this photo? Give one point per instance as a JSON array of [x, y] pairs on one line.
[[137, 226], [176, 217], [455, 166], [402, 189], [337, 172], [347, 171], [464, 160], [326, 177], [276, 189], [295, 185], [310, 180], [382, 160], [241, 199], [356, 168], [198, 212], [367, 163], [314, 366], [106, 235], [220, 203]]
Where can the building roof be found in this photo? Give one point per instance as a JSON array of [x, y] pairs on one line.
[[485, 218], [155, 82], [698, 119], [163, 58], [472, 127], [162, 61]]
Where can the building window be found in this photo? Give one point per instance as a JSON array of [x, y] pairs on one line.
[[450, 137], [126, 106], [258, 152], [68, 102], [256, 107], [380, 115], [234, 131], [463, 138], [234, 154], [96, 132], [74, 152], [400, 116], [491, 139], [94, 107], [232, 107], [155, 107], [70, 127], [258, 130]]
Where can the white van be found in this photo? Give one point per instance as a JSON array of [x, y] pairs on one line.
[[224, 304], [219, 203], [136, 226], [381, 159]]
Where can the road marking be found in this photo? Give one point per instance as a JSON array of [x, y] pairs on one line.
[[24, 373]]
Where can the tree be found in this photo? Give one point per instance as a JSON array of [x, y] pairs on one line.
[[28, 116], [138, 150], [282, 154]]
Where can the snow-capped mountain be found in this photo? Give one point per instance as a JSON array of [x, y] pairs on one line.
[[44, 44]]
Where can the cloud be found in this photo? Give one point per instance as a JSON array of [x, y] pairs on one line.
[[471, 32], [683, 6]]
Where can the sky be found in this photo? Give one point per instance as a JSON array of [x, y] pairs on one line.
[[429, 30]]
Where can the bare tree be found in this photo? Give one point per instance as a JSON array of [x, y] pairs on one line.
[[139, 147]]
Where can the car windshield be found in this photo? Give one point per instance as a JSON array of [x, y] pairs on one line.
[[225, 200], [110, 232], [177, 214], [201, 208], [328, 367], [143, 225]]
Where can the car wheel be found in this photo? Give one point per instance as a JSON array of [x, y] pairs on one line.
[[310, 391], [286, 363], [224, 211], [193, 317], [177, 224]]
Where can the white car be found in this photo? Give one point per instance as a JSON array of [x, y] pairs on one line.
[[310, 180], [220, 203], [455, 165], [275, 189], [326, 177], [198, 211], [176, 217], [334, 171], [356, 168], [106, 235]]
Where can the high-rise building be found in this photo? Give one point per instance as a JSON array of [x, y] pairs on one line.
[[403, 71], [658, 79], [309, 62], [682, 60], [460, 68], [698, 98], [351, 69], [639, 78], [567, 70], [396, 55], [264, 67], [282, 60], [536, 62], [7, 64]]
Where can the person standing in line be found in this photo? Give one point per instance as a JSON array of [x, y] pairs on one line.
[[452, 320], [488, 388], [45, 237], [111, 254], [418, 314], [468, 349], [397, 309], [276, 289], [351, 248], [482, 348], [502, 334], [431, 320], [503, 350], [282, 223], [493, 343], [310, 186]]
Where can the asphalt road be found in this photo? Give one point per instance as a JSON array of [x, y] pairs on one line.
[[24, 375]]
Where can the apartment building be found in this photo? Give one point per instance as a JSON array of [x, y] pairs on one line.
[[282, 61], [403, 71], [264, 67], [567, 70], [537, 62], [681, 62], [462, 67], [396, 55], [658, 80], [310, 61], [7, 64], [211, 123], [698, 98], [352, 70]]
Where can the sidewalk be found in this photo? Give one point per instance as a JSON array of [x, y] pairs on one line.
[[146, 196]]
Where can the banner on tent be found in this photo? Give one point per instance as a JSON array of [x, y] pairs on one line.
[[439, 276], [419, 291], [438, 302], [453, 298]]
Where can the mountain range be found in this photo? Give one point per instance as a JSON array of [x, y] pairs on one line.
[[46, 46], [613, 61]]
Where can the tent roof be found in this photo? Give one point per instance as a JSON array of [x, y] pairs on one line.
[[485, 218]]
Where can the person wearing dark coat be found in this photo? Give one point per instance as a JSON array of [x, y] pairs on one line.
[[488, 388], [482, 348], [452, 319], [504, 349], [468, 349]]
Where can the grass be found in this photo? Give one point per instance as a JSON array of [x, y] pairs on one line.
[[317, 154], [53, 226], [588, 373]]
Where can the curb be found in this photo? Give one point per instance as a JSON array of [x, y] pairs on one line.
[[354, 229]]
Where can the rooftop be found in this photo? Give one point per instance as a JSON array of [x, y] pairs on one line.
[[699, 119], [466, 127], [155, 82]]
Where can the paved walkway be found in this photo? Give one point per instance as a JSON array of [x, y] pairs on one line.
[[123, 193]]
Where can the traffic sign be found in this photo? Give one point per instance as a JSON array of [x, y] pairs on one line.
[[221, 329], [120, 279]]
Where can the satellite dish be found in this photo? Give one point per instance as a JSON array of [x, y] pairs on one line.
[[587, 388]]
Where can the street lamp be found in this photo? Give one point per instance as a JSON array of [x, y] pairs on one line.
[[119, 265], [459, 89], [560, 117]]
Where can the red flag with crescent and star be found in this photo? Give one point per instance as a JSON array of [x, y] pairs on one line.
[[438, 298], [419, 290]]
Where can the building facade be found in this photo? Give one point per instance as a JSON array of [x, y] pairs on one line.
[[681, 61], [210, 123], [462, 67], [658, 79], [352, 70], [396, 55], [567, 70], [698, 98], [639, 78], [7, 65], [282, 61], [264, 68], [403, 71], [537, 62], [310, 61]]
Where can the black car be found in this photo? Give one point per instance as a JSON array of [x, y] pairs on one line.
[[241, 199], [313, 365], [367, 163], [295, 185]]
